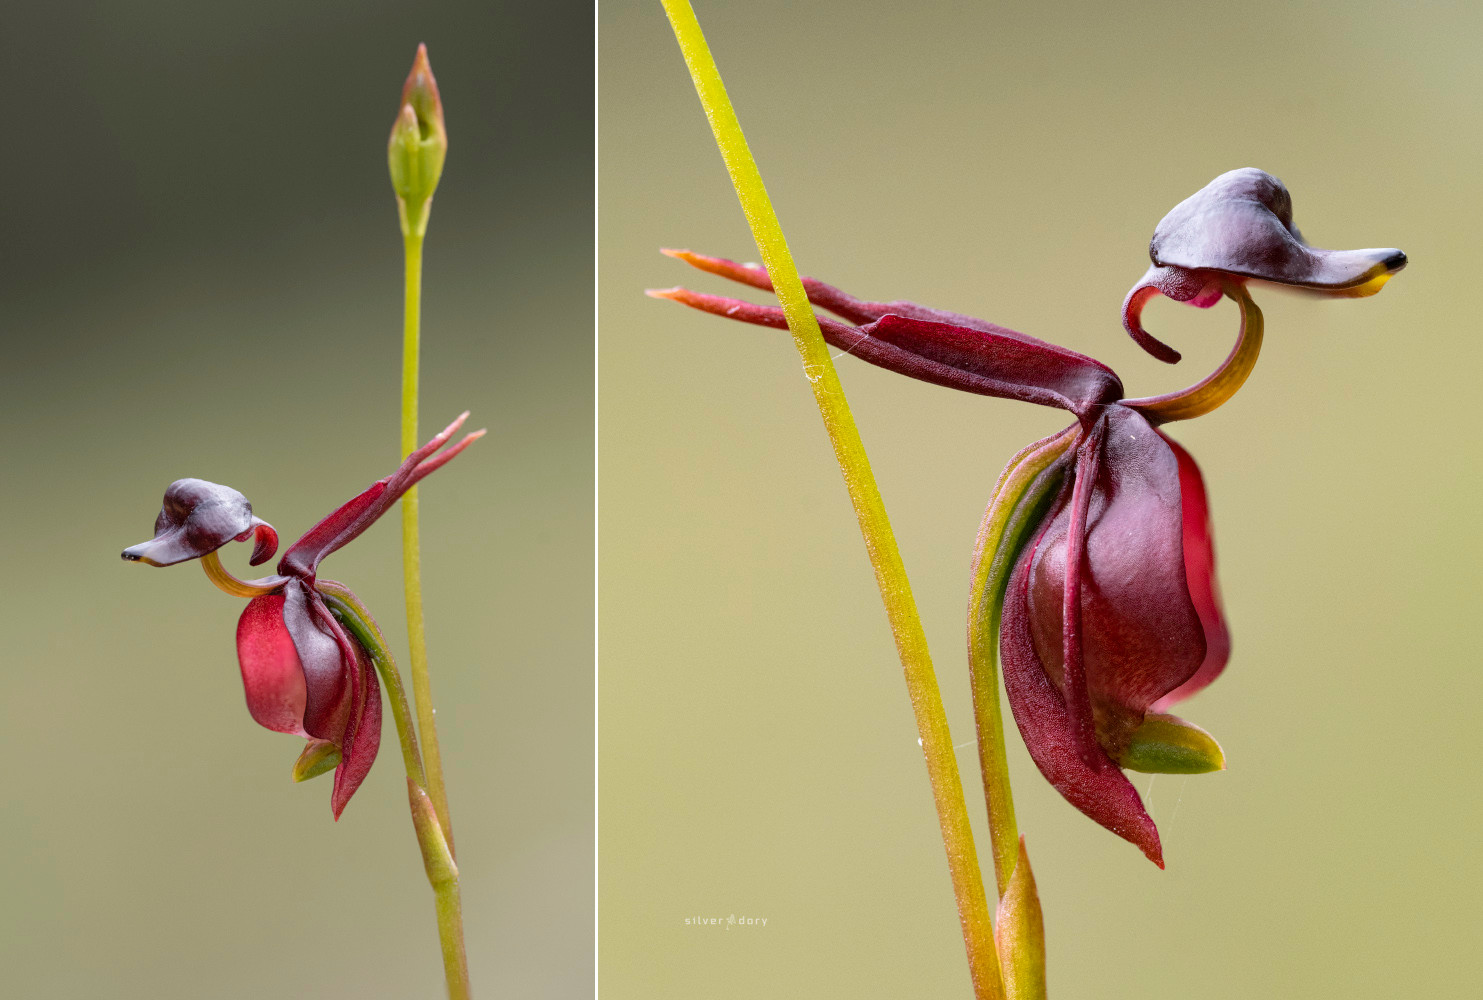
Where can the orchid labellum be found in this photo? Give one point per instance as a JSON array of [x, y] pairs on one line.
[[1094, 576], [303, 671]]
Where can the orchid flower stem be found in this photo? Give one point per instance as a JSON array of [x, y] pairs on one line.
[[880, 542], [429, 797], [422, 692], [437, 857]]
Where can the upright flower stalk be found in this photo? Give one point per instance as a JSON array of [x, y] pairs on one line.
[[415, 155], [875, 526], [309, 651]]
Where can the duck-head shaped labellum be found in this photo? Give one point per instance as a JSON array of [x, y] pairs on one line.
[[303, 672], [1240, 226], [1094, 580], [196, 519]]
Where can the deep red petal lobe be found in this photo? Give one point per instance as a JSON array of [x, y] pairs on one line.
[[943, 348], [327, 678], [1097, 786], [363, 735], [1199, 570], [272, 677], [1028, 368], [1141, 633]]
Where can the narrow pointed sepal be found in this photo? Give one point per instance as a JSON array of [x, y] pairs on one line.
[[1167, 744], [319, 757], [929, 345], [356, 515], [1019, 934]]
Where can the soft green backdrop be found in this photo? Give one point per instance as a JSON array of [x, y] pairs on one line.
[[202, 277], [757, 754]]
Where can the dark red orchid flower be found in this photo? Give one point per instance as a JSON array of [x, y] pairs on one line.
[[1095, 573], [303, 672]]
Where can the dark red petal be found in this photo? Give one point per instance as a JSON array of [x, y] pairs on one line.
[[272, 677], [1020, 366], [363, 735], [998, 363], [1142, 635], [1241, 223], [265, 542], [195, 519], [329, 691], [1096, 787], [358, 514], [826, 296], [1074, 690], [1199, 571]]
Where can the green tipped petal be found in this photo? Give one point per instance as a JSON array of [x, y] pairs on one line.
[[1167, 744], [319, 756], [1019, 934]]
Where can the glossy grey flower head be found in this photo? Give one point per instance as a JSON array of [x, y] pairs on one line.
[[1239, 227], [196, 519]]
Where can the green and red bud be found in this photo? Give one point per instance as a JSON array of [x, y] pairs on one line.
[[418, 146]]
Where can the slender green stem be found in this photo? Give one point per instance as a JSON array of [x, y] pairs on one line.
[[880, 542], [422, 692], [437, 857]]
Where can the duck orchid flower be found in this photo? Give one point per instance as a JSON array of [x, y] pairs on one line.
[[303, 671], [1094, 574]]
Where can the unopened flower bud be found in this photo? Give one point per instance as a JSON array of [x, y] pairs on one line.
[[418, 145], [1167, 744]]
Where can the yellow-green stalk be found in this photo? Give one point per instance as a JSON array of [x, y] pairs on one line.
[[880, 542]]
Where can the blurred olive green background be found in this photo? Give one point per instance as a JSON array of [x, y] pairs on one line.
[[202, 277], [757, 753]]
